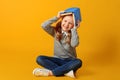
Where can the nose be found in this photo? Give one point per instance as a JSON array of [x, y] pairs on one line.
[[66, 24]]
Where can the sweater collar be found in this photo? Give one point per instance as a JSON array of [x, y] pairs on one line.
[[63, 32]]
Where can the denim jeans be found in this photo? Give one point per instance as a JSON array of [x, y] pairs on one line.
[[59, 66]]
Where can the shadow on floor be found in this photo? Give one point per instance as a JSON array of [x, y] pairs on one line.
[[84, 72]]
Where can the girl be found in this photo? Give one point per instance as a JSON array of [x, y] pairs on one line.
[[65, 61]]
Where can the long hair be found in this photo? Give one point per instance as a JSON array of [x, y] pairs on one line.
[[58, 33]]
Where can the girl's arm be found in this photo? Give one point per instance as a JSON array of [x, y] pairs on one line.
[[47, 26], [74, 37]]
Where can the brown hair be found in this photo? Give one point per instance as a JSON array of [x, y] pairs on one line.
[[58, 33]]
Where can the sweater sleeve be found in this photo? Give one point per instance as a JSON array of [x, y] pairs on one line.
[[47, 26], [74, 38]]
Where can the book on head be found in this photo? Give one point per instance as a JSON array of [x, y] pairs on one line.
[[75, 12]]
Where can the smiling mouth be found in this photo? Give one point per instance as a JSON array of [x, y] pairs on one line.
[[65, 28]]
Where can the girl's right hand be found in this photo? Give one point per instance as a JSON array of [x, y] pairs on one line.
[[59, 14]]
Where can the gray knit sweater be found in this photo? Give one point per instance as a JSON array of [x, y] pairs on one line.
[[61, 48]]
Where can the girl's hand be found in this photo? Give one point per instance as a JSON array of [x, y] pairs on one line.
[[59, 14], [78, 24]]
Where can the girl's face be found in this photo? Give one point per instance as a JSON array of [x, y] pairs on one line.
[[67, 23]]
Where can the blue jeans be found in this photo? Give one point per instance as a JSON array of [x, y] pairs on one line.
[[59, 66]]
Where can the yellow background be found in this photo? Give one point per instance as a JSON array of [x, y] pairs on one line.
[[22, 39]]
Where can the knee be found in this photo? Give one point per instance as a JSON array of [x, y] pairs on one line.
[[79, 63], [40, 59]]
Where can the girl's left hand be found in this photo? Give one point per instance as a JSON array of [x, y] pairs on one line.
[[78, 24]]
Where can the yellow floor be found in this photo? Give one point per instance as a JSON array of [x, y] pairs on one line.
[[19, 67]]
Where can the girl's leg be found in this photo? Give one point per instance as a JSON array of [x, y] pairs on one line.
[[57, 66], [72, 64], [49, 62]]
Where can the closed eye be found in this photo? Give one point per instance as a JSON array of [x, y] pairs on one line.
[[65, 20], [70, 23]]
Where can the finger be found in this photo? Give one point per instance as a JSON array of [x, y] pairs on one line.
[[78, 23], [61, 12]]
